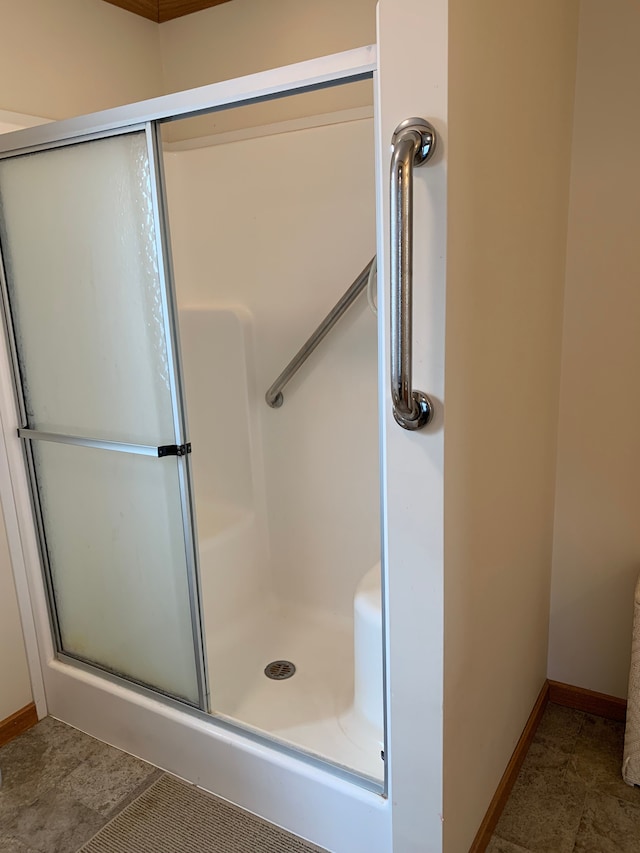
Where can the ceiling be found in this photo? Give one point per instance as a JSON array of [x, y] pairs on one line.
[[164, 10]]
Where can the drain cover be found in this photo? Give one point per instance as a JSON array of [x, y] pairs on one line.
[[279, 669]]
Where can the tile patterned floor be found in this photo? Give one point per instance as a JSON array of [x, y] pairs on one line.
[[569, 796], [60, 787]]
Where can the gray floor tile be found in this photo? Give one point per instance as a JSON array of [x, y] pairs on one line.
[[572, 770], [597, 759], [608, 825], [559, 727], [543, 812], [545, 759], [12, 845], [600, 735], [54, 823], [499, 845], [9, 807], [106, 777], [30, 766], [63, 737], [147, 782], [60, 786]]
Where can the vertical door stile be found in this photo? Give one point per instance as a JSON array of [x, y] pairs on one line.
[[21, 413], [176, 378]]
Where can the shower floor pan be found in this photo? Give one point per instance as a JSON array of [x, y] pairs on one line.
[[313, 709]]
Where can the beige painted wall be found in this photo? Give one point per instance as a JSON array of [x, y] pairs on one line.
[[597, 525], [247, 36], [509, 159], [62, 58]]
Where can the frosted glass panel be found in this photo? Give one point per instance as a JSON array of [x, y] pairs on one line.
[[88, 308], [115, 539], [76, 225]]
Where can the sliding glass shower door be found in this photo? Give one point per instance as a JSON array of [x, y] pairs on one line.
[[89, 312]]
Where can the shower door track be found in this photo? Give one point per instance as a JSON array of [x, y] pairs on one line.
[[303, 77]]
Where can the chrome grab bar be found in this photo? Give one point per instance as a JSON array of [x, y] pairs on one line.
[[274, 396], [413, 144]]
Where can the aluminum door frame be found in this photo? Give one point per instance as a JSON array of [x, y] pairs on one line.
[[176, 386]]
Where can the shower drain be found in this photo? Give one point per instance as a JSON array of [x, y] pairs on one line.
[[279, 670]]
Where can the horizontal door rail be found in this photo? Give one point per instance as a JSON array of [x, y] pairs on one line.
[[274, 396], [308, 76], [119, 446]]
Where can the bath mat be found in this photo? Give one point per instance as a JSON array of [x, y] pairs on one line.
[[174, 817]]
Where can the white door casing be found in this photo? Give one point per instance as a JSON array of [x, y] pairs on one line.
[[412, 81]]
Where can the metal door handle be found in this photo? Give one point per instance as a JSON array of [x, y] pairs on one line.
[[413, 144]]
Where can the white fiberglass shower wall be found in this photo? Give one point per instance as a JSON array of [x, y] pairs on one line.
[[287, 499]]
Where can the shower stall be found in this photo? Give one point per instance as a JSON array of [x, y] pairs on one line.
[[207, 558], [286, 497]]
